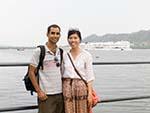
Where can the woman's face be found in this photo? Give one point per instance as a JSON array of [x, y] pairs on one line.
[[74, 40]]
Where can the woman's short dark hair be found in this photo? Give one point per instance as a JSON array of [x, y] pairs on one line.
[[53, 25], [74, 31]]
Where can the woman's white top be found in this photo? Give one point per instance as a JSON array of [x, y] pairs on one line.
[[83, 63]]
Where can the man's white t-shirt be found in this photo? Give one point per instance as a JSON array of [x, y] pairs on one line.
[[50, 77]]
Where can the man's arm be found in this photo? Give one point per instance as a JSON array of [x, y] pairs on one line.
[[41, 95]]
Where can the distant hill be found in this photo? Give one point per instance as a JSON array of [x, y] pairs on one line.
[[139, 40]]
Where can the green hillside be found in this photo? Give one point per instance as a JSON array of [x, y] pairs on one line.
[[139, 40]]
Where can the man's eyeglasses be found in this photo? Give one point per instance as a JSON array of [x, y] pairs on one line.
[[57, 61]]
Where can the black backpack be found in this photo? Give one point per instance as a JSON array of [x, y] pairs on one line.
[[28, 84]]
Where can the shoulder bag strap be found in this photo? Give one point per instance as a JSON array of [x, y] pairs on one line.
[[76, 69]]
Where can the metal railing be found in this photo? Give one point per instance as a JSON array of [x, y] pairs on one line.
[[102, 101], [94, 63]]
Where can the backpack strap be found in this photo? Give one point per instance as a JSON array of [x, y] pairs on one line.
[[61, 55], [41, 58], [40, 64], [61, 60]]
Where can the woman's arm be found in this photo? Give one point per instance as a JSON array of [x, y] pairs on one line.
[[41, 95], [89, 93]]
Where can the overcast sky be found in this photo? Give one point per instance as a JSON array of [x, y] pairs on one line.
[[24, 22]]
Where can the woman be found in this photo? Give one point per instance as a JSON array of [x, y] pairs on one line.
[[77, 94]]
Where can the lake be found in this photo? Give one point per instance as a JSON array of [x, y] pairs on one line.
[[112, 81]]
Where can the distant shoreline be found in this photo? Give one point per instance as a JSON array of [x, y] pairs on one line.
[[23, 48], [12, 47]]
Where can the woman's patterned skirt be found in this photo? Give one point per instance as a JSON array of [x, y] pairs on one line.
[[75, 96]]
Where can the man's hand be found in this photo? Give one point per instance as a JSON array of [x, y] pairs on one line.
[[42, 96]]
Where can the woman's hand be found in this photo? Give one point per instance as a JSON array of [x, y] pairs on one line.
[[90, 94], [89, 99]]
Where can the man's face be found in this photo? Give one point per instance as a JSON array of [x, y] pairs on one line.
[[53, 35]]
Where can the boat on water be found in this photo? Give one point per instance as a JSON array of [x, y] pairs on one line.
[[120, 45], [20, 49]]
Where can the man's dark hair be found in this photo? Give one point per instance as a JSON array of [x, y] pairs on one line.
[[74, 31], [53, 25]]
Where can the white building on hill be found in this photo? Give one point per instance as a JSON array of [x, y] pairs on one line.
[[120, 45]]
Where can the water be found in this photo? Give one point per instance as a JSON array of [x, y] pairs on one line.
[[112, 81]]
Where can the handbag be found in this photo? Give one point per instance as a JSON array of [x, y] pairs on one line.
[[95, 98]]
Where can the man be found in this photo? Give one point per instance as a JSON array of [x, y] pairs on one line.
[[49, 89]]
